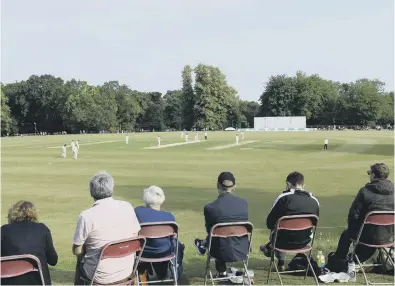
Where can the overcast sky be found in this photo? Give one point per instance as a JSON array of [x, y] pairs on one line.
[[145, 44]]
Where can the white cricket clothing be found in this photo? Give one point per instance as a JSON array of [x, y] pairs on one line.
[[158, 141], [186, 138], [64, 151], [127, 139], [205, 134], [326, 141], [242, 136], [237, 140], [182, 134], [196, 138], [77, 145]]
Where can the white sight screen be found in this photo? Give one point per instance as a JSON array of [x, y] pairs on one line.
[[280, 122]]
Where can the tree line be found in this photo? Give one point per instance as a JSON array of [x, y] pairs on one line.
[[205, 100]]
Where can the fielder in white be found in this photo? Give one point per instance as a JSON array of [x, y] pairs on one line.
[[158, 141], [182, 134], [242, 135], [74, 150], [127, 139], [237, 139], [196, 137], [186, 137], [77, 144], [64, 150]]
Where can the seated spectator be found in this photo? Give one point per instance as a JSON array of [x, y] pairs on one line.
[[295, 200], [25, 235], [226, 208], [378, 195], [155, 248], [106, 221]]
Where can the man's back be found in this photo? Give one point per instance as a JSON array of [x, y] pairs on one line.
[[108, 220], [227, 208], [377, 195], [293, 202]]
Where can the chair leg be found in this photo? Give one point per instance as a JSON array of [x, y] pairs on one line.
[[246, 274], [363, 271], [211, 277], [308, 259], [207, 268], [270, 270], [312, 269], [278, 273]]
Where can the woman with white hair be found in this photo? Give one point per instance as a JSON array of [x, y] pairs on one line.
[[151, 212]]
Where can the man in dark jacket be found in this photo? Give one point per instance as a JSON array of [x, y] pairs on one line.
[[378, 195], [295, 200], [226, 208]]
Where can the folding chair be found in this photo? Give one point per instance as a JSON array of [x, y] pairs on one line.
[[17, 265], [118, 249], [228, 230], [155, 230], [377, 218], [294, 223]]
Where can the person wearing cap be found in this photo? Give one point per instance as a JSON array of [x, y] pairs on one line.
[[295, 200], [226, 208], [377, 195]]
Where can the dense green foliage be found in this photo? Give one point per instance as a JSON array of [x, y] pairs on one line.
[[205, 101]]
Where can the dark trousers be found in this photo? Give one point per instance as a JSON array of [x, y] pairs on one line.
[[220, 266], [79, 271], [363, 252], [326, 147]]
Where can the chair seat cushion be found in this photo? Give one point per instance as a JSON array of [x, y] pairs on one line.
[[161, 259], [298, 250]]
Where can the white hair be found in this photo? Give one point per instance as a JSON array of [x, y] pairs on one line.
[[153, 196]]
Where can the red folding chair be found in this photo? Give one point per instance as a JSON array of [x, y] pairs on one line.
[[118, 249], [17, 265], [294, 223], [155, 230], [228, 230], [377, 218]]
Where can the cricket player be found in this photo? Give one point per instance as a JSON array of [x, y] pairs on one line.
[[186, 137], [64, 150], [205, 135], [127, 139], [182, 134], [72, 144], [326, 144], [158, 141], [237, 138], [77, 144], [242, 135], [196, 137]]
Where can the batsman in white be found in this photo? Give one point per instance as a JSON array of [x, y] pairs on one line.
[[158, 141], [64, 150], [237, 138], [127, 139]]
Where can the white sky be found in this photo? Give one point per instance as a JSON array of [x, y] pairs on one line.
[[145, 44]]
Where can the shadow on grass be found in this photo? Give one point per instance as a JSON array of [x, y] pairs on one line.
[[62, 277], [368, 149], [259, 203]]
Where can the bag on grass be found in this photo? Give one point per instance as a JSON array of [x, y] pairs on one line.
[[336, 264], [299, 262], [386, 266]]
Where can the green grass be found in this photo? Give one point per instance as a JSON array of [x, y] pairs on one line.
[[60, 187]]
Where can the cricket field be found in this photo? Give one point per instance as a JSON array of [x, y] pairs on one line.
[[32, 169]]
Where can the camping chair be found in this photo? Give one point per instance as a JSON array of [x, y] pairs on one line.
[[377, 218], [119, 249], [228, 230], [155, 230], [17, 265], [294, 223]]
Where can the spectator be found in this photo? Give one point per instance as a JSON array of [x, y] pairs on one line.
[[106, 221], [226, 208], [25, 235], [378, 195], [295, 200], [155, 248]]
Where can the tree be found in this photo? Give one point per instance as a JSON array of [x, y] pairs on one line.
[[8, 124], [249, 110], [173, 109], [188, 98]]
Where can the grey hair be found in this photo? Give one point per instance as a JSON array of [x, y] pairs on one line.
[[101, 186], [153, 196]]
